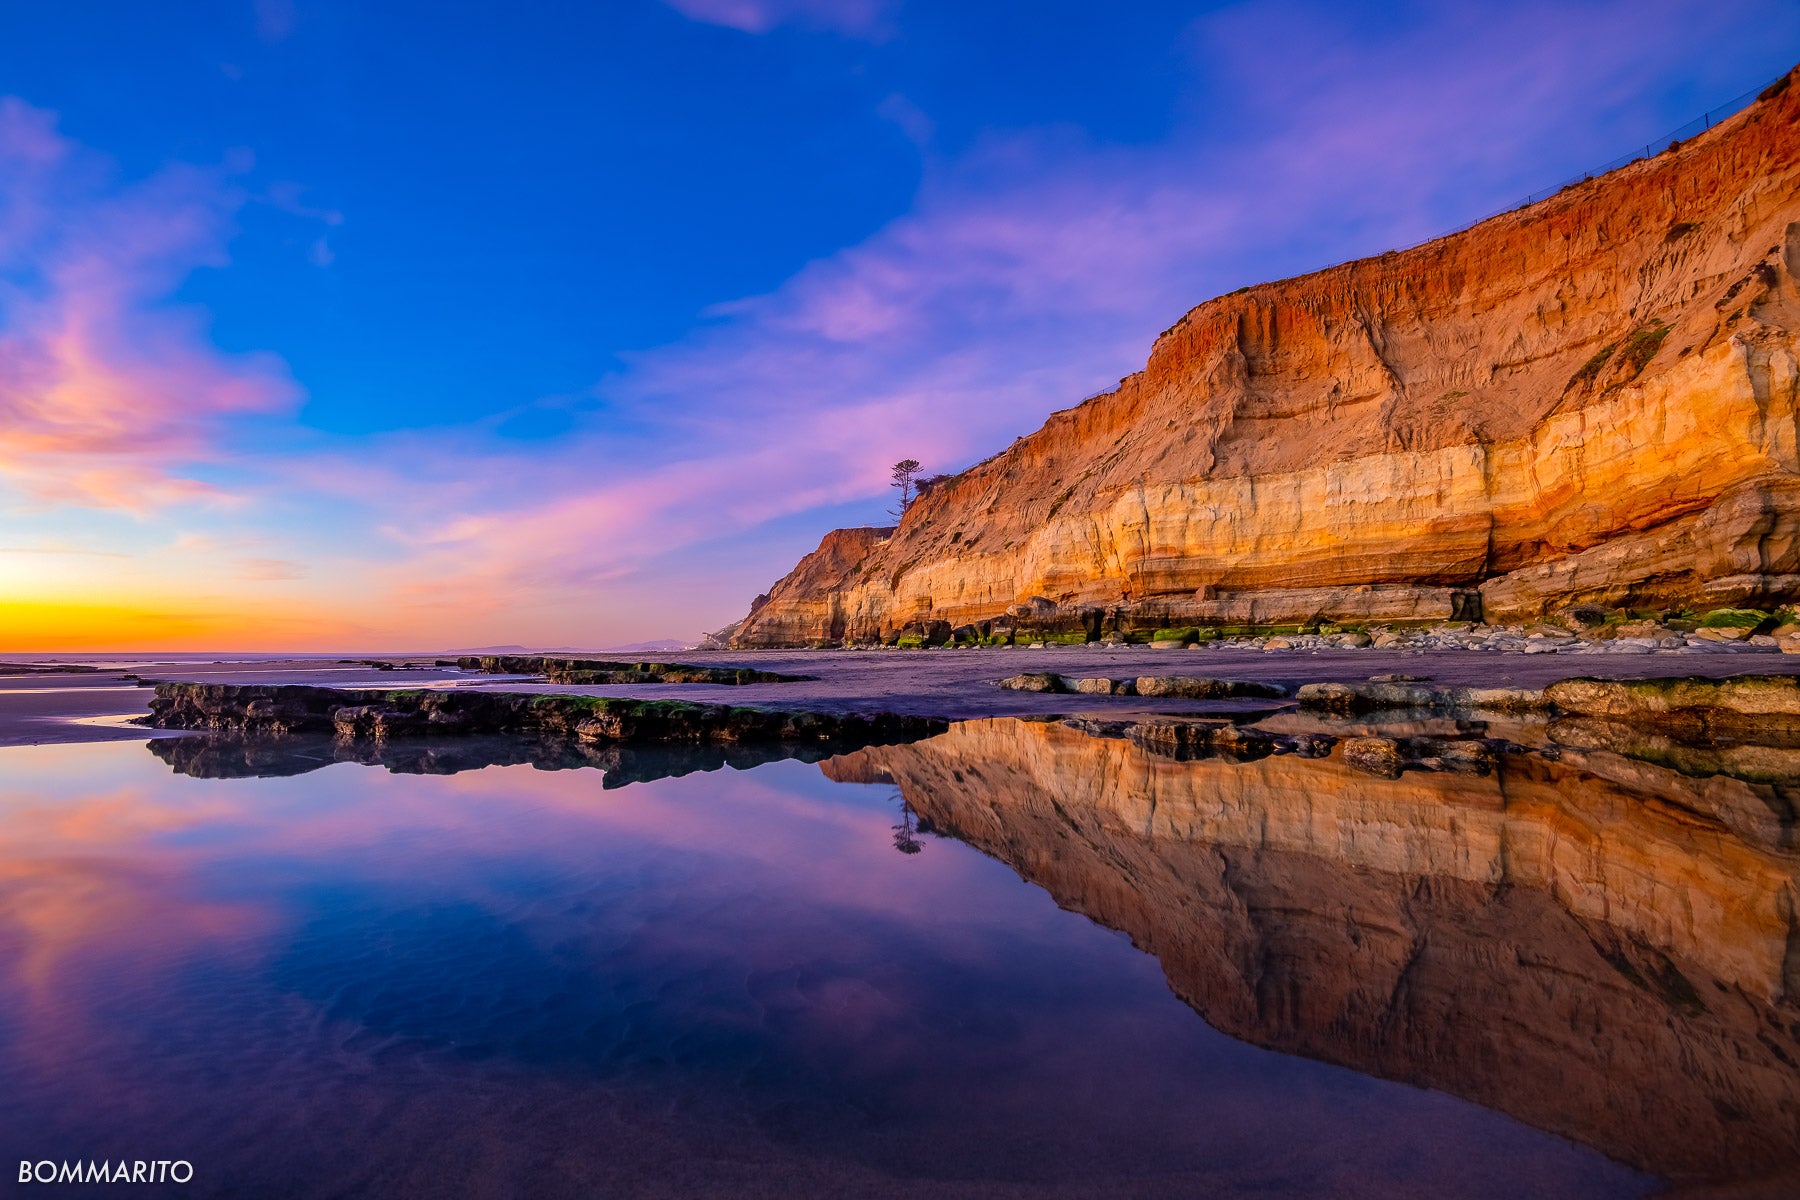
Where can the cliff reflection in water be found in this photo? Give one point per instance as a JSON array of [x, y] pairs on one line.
[[1599, 946]]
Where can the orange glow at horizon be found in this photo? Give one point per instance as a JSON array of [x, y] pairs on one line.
[[49, 626]]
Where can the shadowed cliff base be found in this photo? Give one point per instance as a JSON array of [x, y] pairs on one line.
[[1590, 400], [1583, 943]]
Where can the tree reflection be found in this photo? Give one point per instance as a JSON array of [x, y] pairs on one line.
[[906, 839]]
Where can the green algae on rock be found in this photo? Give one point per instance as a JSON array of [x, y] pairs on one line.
[[377, 715], [1739, 704], [1186, 687], [1368, 697]]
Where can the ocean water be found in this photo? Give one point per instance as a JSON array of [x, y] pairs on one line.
[[792, 979]]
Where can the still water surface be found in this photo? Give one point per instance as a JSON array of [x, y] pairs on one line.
[[511, 981]]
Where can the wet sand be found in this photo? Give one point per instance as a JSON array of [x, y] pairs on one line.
[[42, 709]]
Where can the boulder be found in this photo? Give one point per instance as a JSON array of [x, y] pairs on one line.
[[1373, 756], [1034, 681], [1189, 687]]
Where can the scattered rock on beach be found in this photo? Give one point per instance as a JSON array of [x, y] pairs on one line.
[[1186, 687], [1190, 687], [1033, 681], [1374, 756]]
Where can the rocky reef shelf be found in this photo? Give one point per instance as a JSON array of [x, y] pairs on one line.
[[591, 671], [1744, 727], [377, 715]]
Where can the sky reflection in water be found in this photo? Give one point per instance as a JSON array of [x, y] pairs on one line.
[[351, 980]]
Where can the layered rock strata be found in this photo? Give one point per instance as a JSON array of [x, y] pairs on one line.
[[1592, 399], [1581, 943]]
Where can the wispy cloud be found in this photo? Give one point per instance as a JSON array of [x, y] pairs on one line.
[[856, 18], [290, 198], [61, 550], [275, 19], [265, 570]]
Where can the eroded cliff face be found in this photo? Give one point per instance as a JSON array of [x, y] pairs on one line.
[[1591, 399], [1579, 943], [809, 605]]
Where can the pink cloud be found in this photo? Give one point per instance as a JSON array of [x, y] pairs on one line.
[[109, 394], [265, 570]]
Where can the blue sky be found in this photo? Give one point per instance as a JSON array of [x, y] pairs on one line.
[[396, 325]]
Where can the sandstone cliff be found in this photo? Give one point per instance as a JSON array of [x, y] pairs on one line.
[[1592, 399], [1579, 943]]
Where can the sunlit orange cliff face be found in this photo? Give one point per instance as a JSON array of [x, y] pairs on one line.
[[1589, 399]]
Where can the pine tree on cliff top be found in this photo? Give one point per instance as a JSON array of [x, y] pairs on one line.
[[905, 472]]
